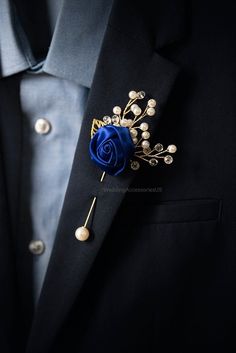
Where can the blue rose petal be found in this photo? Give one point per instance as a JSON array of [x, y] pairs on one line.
[[111, 148]]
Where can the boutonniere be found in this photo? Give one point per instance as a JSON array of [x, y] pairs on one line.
[[123, 139]]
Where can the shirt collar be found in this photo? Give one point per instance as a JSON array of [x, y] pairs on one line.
[[12, 58], [75, 44]]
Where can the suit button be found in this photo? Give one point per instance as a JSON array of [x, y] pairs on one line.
[[36, 247], [42, 126]]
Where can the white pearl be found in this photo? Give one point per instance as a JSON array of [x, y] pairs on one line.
[[132, 94], [82, 233], [145, 144], [135, 140], [133, 107], [129, 122], [133, 132], [137, 111], [152, 103], [117, 110], [145, 135], [172, 148], [124, 122], [144, 126], [151, 111]]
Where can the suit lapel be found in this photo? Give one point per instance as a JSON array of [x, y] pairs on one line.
[[127, 61], [9, 305], [15, 257]]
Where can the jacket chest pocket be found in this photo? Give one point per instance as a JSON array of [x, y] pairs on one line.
[[183, 211], [171, 233]]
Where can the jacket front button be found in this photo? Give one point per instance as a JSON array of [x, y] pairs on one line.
[[36, 247]]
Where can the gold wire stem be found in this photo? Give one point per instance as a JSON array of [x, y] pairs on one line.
[[93, 202], [163, 151], [157, 155], [150, 154], [147, 158], [140, 117], [102, 177], [90, 211], [144, 159], [126, 111], [138, 143]]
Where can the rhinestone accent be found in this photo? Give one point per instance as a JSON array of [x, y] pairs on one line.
[[147, 150], [153, 162], [115, 119], [141, 94], [106, 119], [135, 165], [168, 159], [158, 147]]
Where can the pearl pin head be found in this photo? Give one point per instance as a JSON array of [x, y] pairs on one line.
[[82, 233]]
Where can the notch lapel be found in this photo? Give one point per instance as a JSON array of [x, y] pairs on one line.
[[127, 61], [15, 260], [9, 305]]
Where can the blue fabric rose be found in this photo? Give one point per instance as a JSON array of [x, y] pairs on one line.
[[111, 148]]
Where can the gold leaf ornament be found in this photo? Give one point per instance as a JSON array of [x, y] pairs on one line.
[[96, 125]]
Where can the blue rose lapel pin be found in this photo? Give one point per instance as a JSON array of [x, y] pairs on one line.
[[123, 139]]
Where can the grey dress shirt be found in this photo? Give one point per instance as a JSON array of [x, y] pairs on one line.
[[53, 89]]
